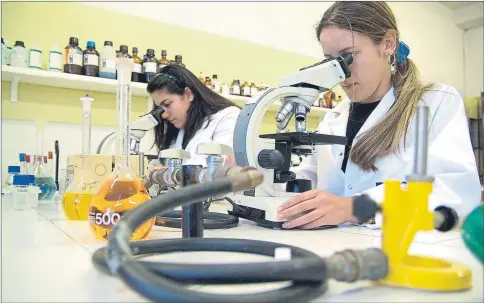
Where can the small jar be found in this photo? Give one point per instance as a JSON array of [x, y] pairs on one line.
[[25, 194], [12, 171]]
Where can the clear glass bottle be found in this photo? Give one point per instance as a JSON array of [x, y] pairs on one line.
[[5, 58], [123, 190], [43, 179], [78, 196], [107, 61]]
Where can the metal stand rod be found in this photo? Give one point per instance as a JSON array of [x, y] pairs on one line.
[[420, 138], [192, 215]]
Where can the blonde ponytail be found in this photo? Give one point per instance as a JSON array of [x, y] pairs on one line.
[[376, 20], [385, 137]]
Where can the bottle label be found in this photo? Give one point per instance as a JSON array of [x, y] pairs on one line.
[[246, 90], [55, 61], [74, 56], [108, 64], [35, 59], [137, 68], [149, 67], [253, 90], [91, 59], [235, 90]]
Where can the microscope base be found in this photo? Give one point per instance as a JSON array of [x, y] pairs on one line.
[[262, 210]]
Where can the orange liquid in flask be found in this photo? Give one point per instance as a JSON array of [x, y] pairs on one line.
[[114, 198]]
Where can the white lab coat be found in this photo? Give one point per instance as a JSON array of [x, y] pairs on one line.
[[450, 156], [220, 130]]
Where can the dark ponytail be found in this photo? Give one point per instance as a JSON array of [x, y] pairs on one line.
[[174, 79]]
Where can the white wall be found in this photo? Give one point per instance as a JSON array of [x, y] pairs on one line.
[[474, 63], [427, 27], [20, 137]]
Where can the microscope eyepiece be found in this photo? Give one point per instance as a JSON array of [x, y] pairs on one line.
[[157, 112]]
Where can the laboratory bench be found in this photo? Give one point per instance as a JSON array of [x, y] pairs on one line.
[[47, 258]]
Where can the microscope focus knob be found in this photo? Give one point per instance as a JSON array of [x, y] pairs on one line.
[[270, 158]]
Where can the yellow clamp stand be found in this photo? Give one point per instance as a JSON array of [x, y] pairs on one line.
[[405, 212]]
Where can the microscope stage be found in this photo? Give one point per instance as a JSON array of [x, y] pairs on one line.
[[306, 138]]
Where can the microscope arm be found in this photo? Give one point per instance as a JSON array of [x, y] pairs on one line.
[[138, 128]]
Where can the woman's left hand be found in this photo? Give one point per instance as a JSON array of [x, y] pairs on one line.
[[322, 208]]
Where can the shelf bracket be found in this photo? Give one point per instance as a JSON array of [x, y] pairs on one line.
[[14, 89]]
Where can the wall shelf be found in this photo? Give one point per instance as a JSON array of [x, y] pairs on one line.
[[17, 75]]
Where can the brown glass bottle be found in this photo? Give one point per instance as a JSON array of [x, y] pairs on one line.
[[179, 61], [163, 61], [91, 60], [137, 74], [73, 58], [149, 65]]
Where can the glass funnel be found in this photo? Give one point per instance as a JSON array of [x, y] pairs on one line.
[[123, 190], [78, 196]]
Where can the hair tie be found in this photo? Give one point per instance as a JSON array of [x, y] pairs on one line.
[[403, 52]]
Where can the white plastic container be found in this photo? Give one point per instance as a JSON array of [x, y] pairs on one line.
[[35, 57], [23, 192], [55, 59]]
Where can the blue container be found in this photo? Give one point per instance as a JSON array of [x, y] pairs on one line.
[[47, 187]]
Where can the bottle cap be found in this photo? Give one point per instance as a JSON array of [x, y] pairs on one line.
[[163, 52], [150, 52], [91, 44], [106, 43], [51, 155], [27, 158], [124, 49], [19, 43], [21, 157], [14, 169], [23, 180], [214, 76], [45, 159], [135, 49], [178, 57], [74, 41]]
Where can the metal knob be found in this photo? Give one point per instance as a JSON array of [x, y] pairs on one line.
[[270, 159]]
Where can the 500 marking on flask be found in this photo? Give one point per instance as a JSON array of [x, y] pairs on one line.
[[104, 218]]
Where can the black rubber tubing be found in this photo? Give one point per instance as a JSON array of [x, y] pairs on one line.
[[211, 220], [159, 288]]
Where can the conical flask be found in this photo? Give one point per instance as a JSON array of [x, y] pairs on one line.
[[123, 190], [78, 196]]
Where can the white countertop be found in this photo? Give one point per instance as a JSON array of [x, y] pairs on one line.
[[46, 258]]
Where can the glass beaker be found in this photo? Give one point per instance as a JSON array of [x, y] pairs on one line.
[[78, 196], [123, 190]]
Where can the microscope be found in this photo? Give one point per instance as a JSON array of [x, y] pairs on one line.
[[271, 153], [139, 127]]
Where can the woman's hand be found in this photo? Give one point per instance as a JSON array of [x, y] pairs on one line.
[[230, 160], [320, 208]]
